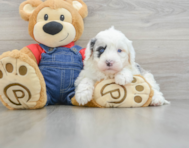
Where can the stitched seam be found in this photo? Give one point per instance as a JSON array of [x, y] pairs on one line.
[[61, 68], [70, 83], [64, 53], [71, 64], [58, 62], [62, 83], [3, 67], [81, 59]]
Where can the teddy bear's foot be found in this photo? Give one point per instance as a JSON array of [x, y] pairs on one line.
[[136, 94], [20, 83]]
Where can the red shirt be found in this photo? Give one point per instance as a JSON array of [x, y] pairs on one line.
[[37, 50]]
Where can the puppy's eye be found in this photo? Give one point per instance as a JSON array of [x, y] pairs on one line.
[[119, 50], [62, 17], [46, 17], [101, 50]]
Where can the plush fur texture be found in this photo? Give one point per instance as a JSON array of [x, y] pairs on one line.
[[84, 11], [111, 55], [28, 52], [25, 16]]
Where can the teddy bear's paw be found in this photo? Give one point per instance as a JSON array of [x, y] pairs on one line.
[[19, 84], [136, 94]]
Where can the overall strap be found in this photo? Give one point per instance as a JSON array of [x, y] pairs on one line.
[[48, 49], [75, 49]]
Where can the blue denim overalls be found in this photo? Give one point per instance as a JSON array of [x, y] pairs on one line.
[[60, 67]]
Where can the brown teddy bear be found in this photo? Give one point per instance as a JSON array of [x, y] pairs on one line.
[[44, 74]]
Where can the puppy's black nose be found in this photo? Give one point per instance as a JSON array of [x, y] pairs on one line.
[[109, 63], [52, 28]]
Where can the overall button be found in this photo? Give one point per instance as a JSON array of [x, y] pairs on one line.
[[74, 49], [51, 49]]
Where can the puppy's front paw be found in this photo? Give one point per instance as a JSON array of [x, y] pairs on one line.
[[123, 79], [84, 95]]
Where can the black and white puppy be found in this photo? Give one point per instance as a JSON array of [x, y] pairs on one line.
[[111, 55]]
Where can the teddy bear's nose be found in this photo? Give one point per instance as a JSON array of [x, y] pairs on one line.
[[52, 28]]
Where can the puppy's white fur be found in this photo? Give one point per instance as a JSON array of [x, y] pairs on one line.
[[111, 55]]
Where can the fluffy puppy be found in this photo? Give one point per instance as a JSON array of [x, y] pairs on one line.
[[111, 55]]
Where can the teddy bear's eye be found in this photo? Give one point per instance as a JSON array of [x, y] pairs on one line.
[[46, 17], [62, 17]]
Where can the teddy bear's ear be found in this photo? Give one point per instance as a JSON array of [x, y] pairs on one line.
[[81, 7], [27, 8]]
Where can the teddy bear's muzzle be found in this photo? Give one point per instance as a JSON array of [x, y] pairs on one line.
[[53, 28]]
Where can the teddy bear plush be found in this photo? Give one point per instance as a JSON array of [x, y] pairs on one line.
[[44, 74]]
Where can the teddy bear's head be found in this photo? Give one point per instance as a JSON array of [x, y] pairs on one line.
[[54, 22]]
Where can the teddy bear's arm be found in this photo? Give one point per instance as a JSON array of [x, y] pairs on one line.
[[27, 51]]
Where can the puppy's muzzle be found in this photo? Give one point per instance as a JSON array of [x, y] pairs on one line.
[[109, 63], [52, 28]]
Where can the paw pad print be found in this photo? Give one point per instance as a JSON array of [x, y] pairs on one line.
[[19, 85], [136, 94]]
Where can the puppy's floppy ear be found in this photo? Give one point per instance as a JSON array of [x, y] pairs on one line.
[[81, 7], [131, 52], [27, 8], [90, 48]]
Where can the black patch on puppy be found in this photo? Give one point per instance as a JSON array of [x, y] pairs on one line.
[[93, 41], [101, 50]]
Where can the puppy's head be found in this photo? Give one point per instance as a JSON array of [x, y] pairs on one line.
[[110, 51]]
